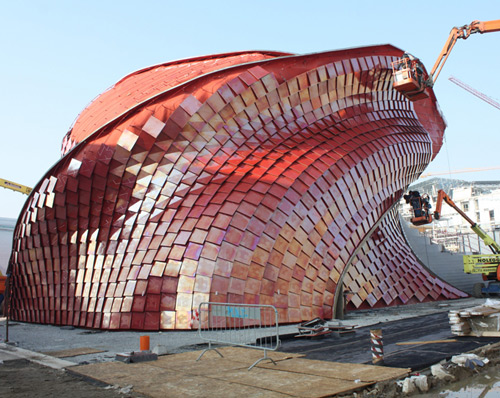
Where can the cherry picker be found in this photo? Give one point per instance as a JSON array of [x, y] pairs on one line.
[[486, 264], [409, 75]]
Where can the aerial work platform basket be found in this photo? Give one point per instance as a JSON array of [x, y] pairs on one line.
[[420, 208], [409, 78]]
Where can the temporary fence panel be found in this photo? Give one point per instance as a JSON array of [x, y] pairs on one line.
[[245, 325]]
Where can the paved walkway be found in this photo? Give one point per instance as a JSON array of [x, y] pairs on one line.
[[9, 352]]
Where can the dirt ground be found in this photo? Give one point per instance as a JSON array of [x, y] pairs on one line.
[[20, 378]]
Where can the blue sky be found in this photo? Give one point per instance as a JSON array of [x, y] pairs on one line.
[[59, 55]]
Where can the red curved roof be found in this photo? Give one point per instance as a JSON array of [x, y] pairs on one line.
[[148, 82]]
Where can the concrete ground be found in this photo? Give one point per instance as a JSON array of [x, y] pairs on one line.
[[48, 338], [92, 353]]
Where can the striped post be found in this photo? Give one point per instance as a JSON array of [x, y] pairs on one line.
[[377, 346]]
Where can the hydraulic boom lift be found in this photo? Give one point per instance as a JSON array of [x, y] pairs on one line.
[[486, 264], [409, 74]]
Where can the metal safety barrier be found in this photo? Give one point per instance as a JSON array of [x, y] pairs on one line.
[[245, 325]]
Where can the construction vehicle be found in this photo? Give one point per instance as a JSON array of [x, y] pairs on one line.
[[409, 75], [15, 186], [486, 264]]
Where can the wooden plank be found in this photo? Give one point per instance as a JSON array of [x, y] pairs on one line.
[[294, 384], [159, 383], [210, 362], [204, 367], [478, 311], [180, 375], [245, 355], [427, 342], [338, 370], [484, 311], [73, 352], [486, 333]]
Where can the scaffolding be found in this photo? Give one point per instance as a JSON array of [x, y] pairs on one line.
[[457, 241]]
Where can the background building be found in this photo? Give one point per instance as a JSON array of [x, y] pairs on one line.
[[480, 200], [6, 234]]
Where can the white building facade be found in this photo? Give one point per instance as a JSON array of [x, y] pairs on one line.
[[480, 201], [482, 208], [6, 234]]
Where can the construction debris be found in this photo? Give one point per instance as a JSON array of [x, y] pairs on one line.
[[441, 373], [319, 327], [413, 384], [160, 349], [470, 360], [313, 328], [134, 356], [477, 321]]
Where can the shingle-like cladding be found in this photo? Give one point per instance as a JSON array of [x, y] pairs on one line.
[[251, 177]]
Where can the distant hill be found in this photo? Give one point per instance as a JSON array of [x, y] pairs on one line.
[[433, 185]]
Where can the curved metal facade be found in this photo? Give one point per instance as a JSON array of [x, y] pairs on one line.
[[251, 177]]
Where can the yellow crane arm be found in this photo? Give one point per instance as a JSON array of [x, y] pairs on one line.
[[15, 186]]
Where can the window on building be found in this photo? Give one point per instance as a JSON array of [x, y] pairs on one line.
[[465, 206], [492, 215], [478, 216]]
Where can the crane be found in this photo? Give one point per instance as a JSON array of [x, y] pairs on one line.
[[486, 264], [15, 186], [410, 78], [473, 91]]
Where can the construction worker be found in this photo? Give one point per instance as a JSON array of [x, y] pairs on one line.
[[426, 205], [416, 67], [413, 198]]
